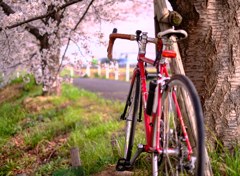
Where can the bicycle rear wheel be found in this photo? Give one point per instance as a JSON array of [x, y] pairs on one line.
[[183, 130]]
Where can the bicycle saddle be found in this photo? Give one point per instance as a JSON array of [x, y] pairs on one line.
[[180, 34]]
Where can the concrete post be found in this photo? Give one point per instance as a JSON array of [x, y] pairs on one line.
[[99, 68], [127, 71], [107, 71], [88, 72], [116, 67]]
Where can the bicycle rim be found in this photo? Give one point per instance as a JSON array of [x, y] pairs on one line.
[[182, 130]]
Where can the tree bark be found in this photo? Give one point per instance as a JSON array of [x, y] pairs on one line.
[[211, 58]]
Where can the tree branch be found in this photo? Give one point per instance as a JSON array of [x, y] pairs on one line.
[[84, 14], [7, 9], [69, 39]]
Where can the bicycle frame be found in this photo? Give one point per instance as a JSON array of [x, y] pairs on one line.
[[144, 95], [162, 75], [152, 110], [162, 92]]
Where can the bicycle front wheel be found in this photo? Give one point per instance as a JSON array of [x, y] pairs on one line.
[[182, 128], [131, 118]]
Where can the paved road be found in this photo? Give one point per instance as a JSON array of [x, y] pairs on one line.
[[110, 89]]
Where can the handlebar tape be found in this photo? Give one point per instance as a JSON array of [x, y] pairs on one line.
[[112, 38]]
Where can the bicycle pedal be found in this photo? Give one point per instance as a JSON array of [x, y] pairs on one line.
[[122, 165]]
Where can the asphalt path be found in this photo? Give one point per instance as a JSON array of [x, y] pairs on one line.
[[109, 89]]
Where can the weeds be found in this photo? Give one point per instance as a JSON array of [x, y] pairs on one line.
[[10, 116], [225, 162], [37, 133]]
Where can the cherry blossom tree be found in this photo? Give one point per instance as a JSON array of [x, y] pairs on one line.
[[32, 33]]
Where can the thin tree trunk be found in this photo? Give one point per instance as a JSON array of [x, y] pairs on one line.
[[50, 70], [211, 58]]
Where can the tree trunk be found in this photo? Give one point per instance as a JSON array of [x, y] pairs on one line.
[[50, 48], [211, 58], [50, 66]]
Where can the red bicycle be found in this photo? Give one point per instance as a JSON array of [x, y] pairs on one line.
[[173, 118]]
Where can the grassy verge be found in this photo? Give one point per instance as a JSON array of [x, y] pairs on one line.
[[225, 162], [37, 132]]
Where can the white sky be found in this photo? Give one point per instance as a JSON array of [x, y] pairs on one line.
[[143, 22]]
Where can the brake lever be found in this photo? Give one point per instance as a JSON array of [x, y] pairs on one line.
[[138, 33]]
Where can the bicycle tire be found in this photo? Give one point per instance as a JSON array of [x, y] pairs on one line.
[[131, 118], [180, 161]]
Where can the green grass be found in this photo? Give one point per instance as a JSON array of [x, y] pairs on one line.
[[38, 141], [9, 121], [225, 162], [65, 72]]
